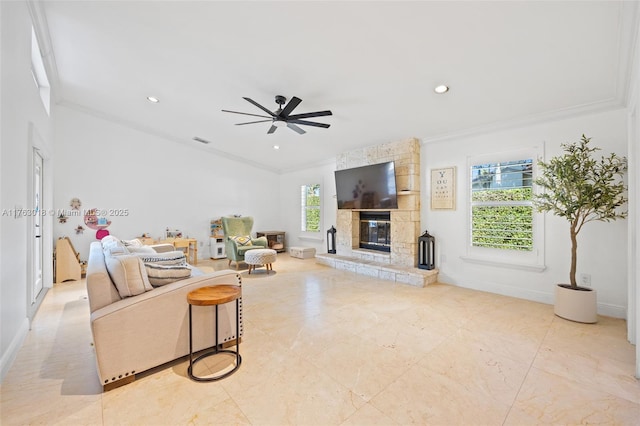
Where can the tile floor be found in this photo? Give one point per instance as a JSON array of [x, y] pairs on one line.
[[329, 347]]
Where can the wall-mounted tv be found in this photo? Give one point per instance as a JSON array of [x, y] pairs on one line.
[[367, 187]]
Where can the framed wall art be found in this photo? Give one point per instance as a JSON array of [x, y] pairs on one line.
[[443, 188]]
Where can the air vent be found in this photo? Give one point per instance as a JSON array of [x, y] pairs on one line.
[[204, 141]]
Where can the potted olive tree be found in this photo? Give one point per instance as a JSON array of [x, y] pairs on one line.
[[580, 189]]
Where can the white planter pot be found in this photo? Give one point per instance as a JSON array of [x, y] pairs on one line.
[[576, 305]]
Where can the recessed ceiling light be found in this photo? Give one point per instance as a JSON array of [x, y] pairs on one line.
[[276, 147], [153, 99], [441, 89]]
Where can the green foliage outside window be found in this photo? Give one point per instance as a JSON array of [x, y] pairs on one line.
[[507, 227], [502, 216], [516, 194], [311, 208]]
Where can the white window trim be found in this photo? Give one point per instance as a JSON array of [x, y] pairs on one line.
[[39, 73], [531, 261], [311, 235]]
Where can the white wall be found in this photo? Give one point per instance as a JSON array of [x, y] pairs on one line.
[[290, 184], [24, 124], [633, 323], [602, 247], [160, 182]]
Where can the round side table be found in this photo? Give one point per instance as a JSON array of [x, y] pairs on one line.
[[214, 296]]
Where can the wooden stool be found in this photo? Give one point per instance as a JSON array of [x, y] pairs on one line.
[[214, 296]]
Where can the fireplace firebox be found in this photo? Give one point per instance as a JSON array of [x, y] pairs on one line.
[[375, 231]]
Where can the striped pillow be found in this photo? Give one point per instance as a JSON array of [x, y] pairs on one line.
[[175, 257], [160, 275]]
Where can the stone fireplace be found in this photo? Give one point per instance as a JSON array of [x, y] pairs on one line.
[[404, 221], [398, 261]]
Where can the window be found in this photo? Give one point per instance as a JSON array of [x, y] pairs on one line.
[[39, 73], [501, 205], [310, 208]]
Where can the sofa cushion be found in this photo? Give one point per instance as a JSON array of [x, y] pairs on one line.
[[242, 250], [114, 251], [111, 241], [132, 243], [128, 274], [160, 275], [242, 240], [112, 246], [141, 249], [175, 257]]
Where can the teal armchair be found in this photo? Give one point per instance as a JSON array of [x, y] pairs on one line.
[[234, 228]]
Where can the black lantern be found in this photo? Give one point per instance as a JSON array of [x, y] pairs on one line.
[[426, 251], [331, 240]]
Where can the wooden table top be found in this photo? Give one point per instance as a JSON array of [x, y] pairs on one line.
[[214, 295]]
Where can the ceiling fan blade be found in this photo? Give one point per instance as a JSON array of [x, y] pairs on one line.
[[259, 106], [310, 114], [293, 103], [253, 122], [245, 113], [271, 129], [295, 128], [309, 123]]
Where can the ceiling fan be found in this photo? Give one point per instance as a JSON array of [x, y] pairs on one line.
[[283, 117]]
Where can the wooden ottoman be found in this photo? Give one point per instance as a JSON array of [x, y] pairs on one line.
[[257, 257]]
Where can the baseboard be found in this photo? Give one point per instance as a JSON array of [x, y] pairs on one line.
[[9, 356], [604, 309], [532, 295], [609, 310]]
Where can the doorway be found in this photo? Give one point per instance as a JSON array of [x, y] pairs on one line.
[[37, 229]]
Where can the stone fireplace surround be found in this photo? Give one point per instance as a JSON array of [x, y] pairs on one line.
[[400, 264]]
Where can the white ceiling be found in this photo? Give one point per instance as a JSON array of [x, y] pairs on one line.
[[374, 64]]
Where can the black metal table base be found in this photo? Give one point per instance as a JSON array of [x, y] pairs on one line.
[[216, 351]]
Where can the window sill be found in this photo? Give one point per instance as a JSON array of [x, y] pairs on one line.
[[511, 265], [309, 238]]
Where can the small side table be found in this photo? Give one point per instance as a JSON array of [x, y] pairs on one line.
[[214, 296], [190, 246]]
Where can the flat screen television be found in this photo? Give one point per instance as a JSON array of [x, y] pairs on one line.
[[367, 187]]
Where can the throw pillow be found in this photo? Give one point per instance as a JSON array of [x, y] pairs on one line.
[[128, 274], [111, 241], [141, 249], [175, 257], [114, 250], [132, 243], [242, 240], [160, 275]]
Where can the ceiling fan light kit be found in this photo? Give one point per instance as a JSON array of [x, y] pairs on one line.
[[282, 117]]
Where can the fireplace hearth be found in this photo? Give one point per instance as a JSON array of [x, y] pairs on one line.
[[375, 231]]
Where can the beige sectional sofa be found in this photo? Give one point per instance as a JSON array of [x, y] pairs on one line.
[[134, 334]]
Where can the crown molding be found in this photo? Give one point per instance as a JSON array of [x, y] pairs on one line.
[[166, 136], [529, 120]]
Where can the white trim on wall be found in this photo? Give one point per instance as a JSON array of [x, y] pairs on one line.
[[12, 351]]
